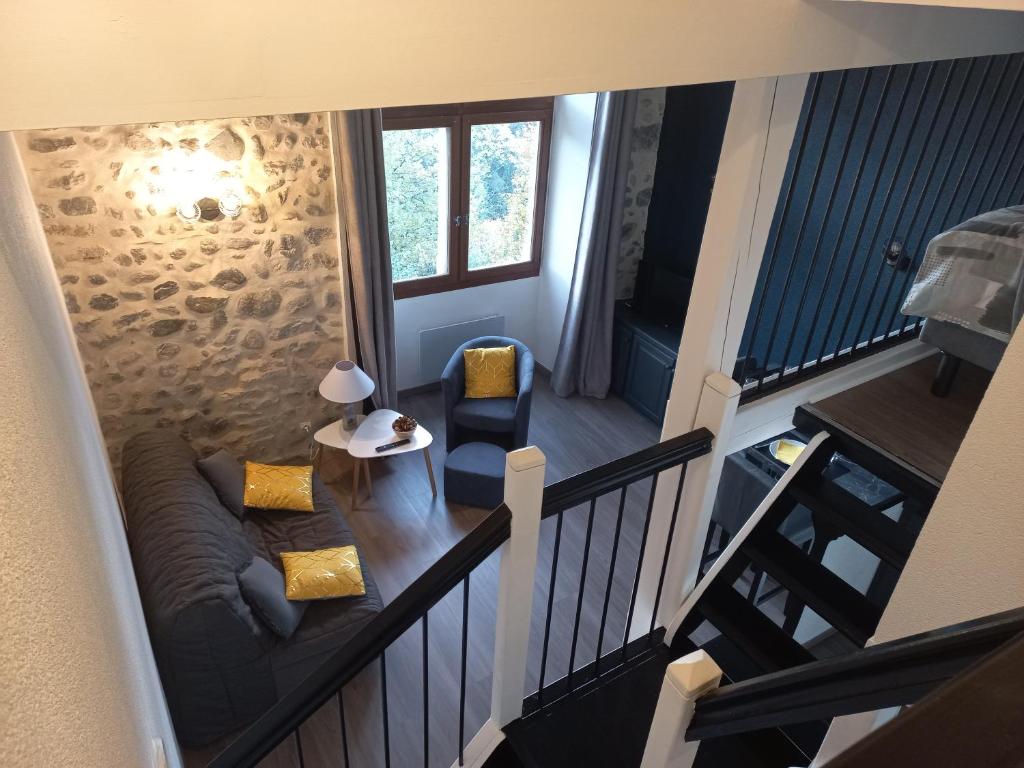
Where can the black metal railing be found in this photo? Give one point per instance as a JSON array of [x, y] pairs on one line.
[[617, 483], [451, 576], [884, 159], [369, 646], [886, 675]]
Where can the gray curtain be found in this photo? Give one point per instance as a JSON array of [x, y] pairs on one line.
[[584, 360], [365, 211]]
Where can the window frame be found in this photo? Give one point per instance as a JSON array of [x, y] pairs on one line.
[[460, 119]]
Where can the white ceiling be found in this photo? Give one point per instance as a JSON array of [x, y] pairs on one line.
[[68, 62]]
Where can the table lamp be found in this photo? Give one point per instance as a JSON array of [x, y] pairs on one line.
[[347, 383]]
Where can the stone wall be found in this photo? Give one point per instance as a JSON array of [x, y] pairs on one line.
[[220, 330], [643, 159]]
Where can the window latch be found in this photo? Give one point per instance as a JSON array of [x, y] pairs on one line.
[[461, 219]]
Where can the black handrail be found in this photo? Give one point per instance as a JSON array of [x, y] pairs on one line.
[[575, 490], [889, 674], [292, 710]]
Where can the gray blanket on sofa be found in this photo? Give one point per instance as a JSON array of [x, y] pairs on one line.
[[220, 666], [971, 276]]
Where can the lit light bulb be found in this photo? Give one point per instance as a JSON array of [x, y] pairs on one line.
[[230, 205], [189, 211]]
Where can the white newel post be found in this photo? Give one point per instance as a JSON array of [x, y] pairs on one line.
[[755, 149], [716, 411], [524, 492], [686, 680]]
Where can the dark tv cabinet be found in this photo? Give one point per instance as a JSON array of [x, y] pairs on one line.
[[648, 326], [643, 361]]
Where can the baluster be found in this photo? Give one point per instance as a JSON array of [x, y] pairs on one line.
[[298, 747], [426, 695], [462, 674], [579, 597], [611, 577], [862, 227], [832, 260], [925, 144], [815, 250], [791, 269], [639, 567], [1005, 166], [668, 549], [344, 731], [547, 619], [947, 220], [384, 708], [924, 237], [787, 201]]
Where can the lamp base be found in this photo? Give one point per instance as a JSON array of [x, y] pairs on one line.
[[350, 416]]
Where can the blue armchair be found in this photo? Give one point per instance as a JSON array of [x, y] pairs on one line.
[[504, 421]]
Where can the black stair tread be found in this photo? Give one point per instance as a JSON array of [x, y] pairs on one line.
[[879, 462], [607, 726], [822, 591], [764, 642], [867, 526], [756, 749], [504, 756], [798, 743]]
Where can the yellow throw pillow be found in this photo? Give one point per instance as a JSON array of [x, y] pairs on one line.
[[271, 486], [322, 574], [490, 372]]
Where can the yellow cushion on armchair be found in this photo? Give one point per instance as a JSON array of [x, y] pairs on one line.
[[490, 372], [272, 486]]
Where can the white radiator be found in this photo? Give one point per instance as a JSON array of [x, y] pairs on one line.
[[438, 344]]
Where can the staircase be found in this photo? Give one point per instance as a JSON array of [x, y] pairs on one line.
[[802, 584], [770, 602]]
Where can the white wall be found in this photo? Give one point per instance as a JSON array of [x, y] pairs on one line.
[[107, 61], [515, 299], [535, 307], [969, 558], [571, 134], [78, 685]]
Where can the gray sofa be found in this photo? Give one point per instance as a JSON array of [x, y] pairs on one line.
[[221, 667]]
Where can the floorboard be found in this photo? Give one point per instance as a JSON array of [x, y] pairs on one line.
[[898, 414], [402, 529]]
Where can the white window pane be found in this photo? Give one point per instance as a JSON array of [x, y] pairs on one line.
[[416, 168], [502, 193]]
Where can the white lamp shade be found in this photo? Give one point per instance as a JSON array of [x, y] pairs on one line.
[[346, 383]]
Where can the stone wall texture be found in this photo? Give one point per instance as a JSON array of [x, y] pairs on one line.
[[222, 329], [643, 160]]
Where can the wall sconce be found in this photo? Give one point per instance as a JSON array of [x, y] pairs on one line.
[[209, 209]]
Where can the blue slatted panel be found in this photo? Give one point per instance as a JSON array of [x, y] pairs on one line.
[[881, 154]]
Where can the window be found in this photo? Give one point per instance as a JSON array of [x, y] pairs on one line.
[[465, 192]]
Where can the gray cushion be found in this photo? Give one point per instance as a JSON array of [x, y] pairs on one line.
[[474, 474], [489, 414], [227, 477], [263, 589]]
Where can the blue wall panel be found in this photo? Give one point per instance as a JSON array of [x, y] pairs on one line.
[[881, 154]]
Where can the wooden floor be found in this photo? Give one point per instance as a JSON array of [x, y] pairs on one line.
[[898, 414], [402, 529]]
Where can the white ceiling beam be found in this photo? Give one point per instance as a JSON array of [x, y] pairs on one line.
[[70, 62]]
